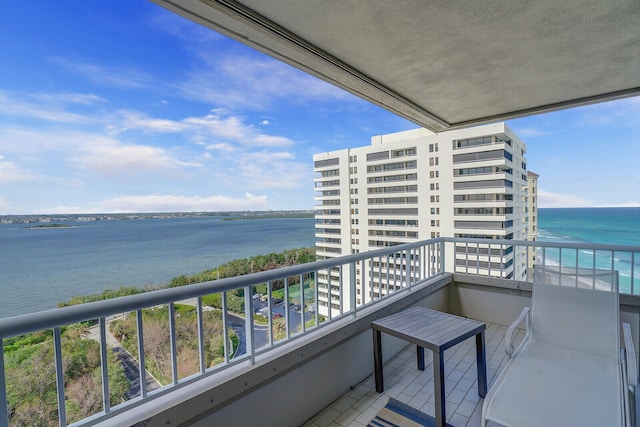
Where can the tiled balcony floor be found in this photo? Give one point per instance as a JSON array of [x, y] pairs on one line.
[[404, 382]]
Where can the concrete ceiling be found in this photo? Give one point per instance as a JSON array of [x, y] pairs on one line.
[[446, 64]]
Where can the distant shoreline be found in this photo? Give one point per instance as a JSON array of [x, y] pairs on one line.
[[224, 215]]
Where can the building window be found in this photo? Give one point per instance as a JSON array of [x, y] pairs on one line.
[[472, 142], [328, 162], [381, 155]]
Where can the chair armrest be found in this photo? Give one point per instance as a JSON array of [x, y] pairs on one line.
[[508, 341], [632, 364]]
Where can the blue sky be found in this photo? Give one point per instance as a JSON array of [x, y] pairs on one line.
[[122, 106]]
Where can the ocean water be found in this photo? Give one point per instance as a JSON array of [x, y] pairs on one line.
[[606, 226], [41, 267]]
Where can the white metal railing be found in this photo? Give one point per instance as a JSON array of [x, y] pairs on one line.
[[292, 303], [293, 313], [510, 259]]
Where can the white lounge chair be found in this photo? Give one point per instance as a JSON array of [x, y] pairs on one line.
[[569, 369]]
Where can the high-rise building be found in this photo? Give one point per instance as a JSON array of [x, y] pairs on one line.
[[531, 194], [417, 185]]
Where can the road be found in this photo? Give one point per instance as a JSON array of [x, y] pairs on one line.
[[129, 363], [234, 321]]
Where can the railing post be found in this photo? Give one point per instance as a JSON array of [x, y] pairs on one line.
[[172, 343], [316, 297], [442, 256], [352, 287], [57, 350], [106, 402], [200, 319], [225, 329], [303, 326], [341, 289], [4, 404], [142, 366], [248, 323], [632, 276]]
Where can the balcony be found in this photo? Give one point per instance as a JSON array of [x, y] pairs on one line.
[[307, 367]]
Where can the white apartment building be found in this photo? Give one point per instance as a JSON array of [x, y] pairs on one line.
[[417, 185], [532, 216]]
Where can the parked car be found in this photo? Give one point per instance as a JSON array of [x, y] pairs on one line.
[[277, 316]]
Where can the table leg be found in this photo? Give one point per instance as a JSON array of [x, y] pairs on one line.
[[420, 356], [481, 362], [377, 360], [438, 385]]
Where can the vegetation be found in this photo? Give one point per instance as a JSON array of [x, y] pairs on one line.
[[106, 294], [48, 226], [31, 378], [156, 345], [253, 264]]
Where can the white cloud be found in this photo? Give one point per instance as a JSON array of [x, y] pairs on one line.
[[17, 107], [270, 141], [219, 124], [141, 121], [621, 205], [281, 155], [69, 98], [222, 146], [547, 199], [115, 159], [10, 173], [532, 132], [264, 170], [102, 75], [623, 112], [265, 122], [178, 203]]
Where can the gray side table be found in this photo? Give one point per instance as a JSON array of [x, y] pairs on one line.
[[436, 331]]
